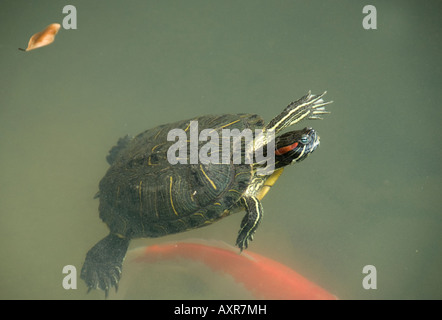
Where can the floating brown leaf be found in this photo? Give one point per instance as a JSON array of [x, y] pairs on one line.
[[43, 38]]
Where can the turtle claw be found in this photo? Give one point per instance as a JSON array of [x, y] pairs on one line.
[[101, 276], [242, 243]]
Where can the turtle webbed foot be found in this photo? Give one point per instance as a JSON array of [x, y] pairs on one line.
[[242, 242], [103, 264], [250, 222], [101, 276]]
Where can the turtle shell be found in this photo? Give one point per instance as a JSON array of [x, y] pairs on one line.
[[143, 195]]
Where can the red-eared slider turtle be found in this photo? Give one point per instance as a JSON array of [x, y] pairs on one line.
[[144, 195]]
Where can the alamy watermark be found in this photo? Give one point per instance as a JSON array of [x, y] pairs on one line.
[[370, 280], [370, 20], [237, 147]]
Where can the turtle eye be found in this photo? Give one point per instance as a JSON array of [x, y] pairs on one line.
[[305, 139]]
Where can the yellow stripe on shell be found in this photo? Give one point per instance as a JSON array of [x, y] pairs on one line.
[[170, 196], [207, 177]]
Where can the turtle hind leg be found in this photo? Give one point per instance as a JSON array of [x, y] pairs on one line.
[[116, 150], [103, 264], [250, 222]]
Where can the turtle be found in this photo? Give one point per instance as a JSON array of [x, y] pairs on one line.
[[144, 195]]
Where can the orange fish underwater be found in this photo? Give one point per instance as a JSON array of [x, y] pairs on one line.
[[263, 277], [43, 38]]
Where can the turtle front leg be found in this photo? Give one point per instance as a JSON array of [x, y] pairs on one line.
[[250, 222], [309, 106]]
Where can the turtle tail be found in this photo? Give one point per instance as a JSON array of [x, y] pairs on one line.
[[103, 264]]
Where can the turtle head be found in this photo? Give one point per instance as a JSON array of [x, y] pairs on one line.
[[295, 146]]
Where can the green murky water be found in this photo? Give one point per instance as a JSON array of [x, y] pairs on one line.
[[369, 196]]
